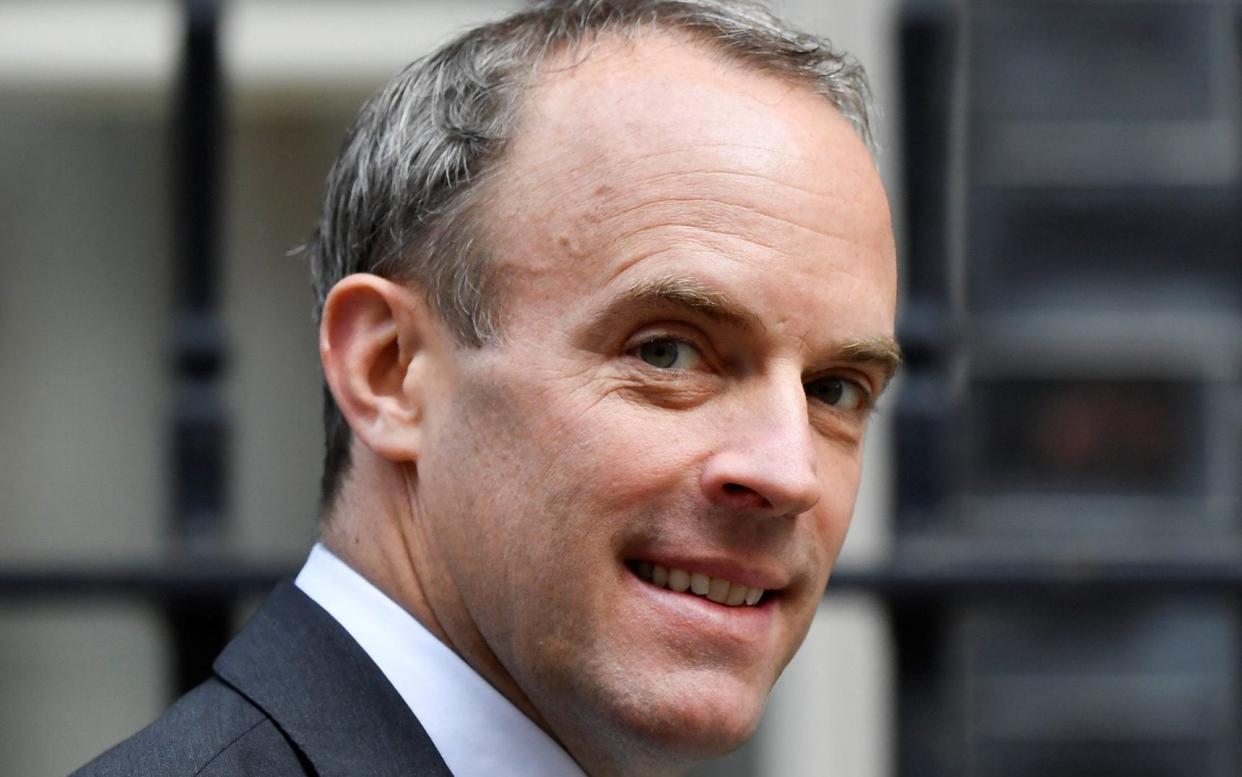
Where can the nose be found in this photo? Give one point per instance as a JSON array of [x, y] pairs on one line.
[[766, 463]]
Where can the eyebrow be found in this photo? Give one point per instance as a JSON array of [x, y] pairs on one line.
[[881, 352], [691, 295]]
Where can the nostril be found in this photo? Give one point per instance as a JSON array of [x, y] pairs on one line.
[[744, 495]]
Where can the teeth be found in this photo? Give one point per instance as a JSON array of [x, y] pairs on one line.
[[659, 576], [717, 589], [700, 584], [679, 580]]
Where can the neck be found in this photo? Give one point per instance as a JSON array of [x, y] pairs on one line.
[[376, 528]]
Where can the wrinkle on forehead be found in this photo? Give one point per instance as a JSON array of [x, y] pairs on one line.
[[747, 220], [590, 157], [712, 204]]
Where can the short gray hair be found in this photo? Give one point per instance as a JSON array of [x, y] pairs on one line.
[[401, 196]]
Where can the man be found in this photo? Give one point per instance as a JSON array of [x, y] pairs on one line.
[[606, 293]]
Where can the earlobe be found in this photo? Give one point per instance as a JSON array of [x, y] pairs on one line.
[[373, 333]]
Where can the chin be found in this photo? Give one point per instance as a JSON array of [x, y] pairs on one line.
[[696, 723]]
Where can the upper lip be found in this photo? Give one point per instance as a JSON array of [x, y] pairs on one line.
[[749, 573]]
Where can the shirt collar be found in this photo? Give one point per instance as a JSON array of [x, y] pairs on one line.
[[478, 732]]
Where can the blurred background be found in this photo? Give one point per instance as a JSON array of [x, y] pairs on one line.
[[1043, 573]]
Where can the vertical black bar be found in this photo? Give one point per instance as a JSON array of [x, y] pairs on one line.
[[927, 50], [927, 46], [199, 626], [917, 626], [1237, 427]]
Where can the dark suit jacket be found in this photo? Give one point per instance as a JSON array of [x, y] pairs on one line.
[[292, 695]]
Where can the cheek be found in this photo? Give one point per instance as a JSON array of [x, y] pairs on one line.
[[534, 462], [840, 471], [559, 431]]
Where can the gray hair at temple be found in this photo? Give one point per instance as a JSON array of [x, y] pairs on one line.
[[401, 197]]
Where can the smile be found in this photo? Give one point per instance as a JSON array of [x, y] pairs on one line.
[[716, 589]]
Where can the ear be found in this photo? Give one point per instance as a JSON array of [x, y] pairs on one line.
[[376, 338]]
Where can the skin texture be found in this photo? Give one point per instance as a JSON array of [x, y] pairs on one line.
[[654, 193]]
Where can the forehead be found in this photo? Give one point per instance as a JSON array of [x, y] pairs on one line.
[[660, 156]]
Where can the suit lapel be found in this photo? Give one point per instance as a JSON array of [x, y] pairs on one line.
[[296, 663]]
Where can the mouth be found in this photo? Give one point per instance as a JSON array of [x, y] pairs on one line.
[[720, 590]]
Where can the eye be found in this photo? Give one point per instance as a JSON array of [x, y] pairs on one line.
[[841, 393], [667, 353]]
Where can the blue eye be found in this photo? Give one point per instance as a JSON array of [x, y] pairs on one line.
[[667, 353], [840, 393]]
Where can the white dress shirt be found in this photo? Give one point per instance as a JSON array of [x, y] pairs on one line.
[[478, 732]]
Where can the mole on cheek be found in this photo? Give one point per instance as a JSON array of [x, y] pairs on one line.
[[570, 245]]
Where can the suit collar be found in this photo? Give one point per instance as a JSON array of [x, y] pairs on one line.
[[297, 664]]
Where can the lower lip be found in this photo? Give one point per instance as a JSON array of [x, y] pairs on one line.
[[698, 617]]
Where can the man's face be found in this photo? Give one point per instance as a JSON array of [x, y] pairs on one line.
[[697, 269]]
